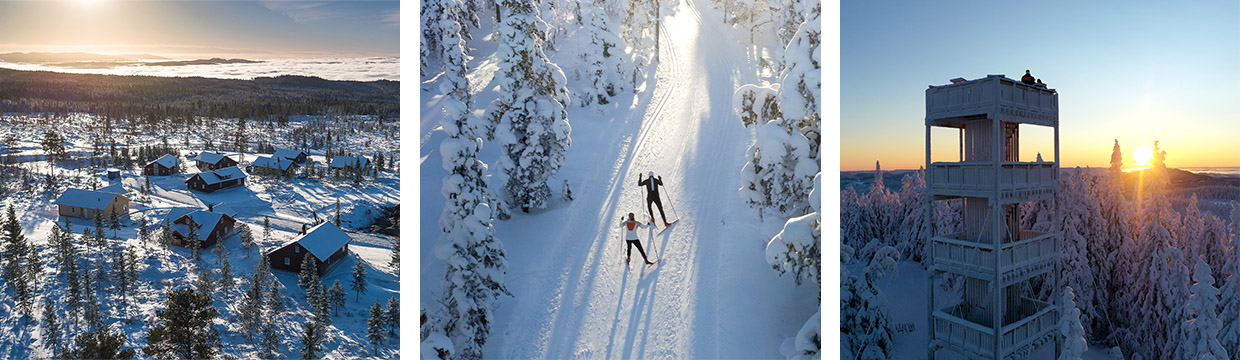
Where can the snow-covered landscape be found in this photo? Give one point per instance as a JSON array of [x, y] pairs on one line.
[[616, 91], [116, 280]]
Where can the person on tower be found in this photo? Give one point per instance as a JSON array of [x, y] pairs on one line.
[[652, 185], [1028, 78]]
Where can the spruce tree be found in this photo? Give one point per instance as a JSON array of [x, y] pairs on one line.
[[247, 239], [312, 340], [266, 229], [309, 271], [1070, 328], [114, 223], [101, 343], [358, 284], [250, 311], [144, 233], [532, 124], [184, 329], [275, 302], [271, 340], [1229, 334], [474, 271], [394, 262], [319, 302], [75, 290], [392, 315], [374, 327], [98, 239], [337, 296], [227, 279], [1197, 336], [51, 327], [192, 241]]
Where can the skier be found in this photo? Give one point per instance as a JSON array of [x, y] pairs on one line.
[[630, 237], [652, 195]]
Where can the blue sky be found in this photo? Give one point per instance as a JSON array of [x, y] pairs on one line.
[[203, 28], [1136, 72]]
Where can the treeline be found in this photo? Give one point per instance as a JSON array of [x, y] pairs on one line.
[[157, 99]]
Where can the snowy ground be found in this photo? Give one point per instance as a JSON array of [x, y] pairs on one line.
[[712, 296], [288, 204]]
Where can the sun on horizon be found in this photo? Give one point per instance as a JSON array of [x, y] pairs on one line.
[[1142, 156]]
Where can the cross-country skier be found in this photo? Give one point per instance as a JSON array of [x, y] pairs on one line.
[[652, 185], [630, 237]]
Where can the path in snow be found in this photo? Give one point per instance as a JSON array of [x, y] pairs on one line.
[[713, 295]]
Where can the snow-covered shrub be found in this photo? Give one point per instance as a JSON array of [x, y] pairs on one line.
[[1070, 328], [797, 248], [801, 88], [436, 346], [915, 217], [1198, 331], [756, 103], [533, 130], [780, 172], [808, 343]]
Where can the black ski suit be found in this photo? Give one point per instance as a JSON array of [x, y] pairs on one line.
[[652, 195]]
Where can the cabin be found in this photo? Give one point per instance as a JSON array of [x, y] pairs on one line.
[[272, 166], [325, 243], [215, 180], [297, 156], [211, 227], [163, 166], [350, 162], [86, 203], [207, 160]]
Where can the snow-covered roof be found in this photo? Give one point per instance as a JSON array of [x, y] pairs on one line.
[[167, 161], [323, 240], [341, 162], [177, 212], [221, 175], [288, 153], [116, 188], [87, 199], [277, 163], [205, 220], [210, 157], [223, 208]]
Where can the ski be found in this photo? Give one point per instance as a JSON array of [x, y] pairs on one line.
[[669, 226]]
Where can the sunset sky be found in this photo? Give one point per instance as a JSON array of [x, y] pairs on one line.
[[1136, 72], [191, 29]]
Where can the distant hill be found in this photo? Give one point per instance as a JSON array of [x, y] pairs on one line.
[[50, 57], [211, 61], [161, 97]]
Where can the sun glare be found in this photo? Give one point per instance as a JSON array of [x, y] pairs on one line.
[[1142, 155], [87, 3]]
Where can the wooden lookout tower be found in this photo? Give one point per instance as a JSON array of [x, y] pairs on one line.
[[999, 314]]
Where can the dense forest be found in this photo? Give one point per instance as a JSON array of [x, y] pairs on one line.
[[156, 99]]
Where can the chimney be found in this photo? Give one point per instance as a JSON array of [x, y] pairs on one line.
[[210, 207]]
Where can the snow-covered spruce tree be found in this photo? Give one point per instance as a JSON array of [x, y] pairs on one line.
[[639, 34], [391, 315], [1198, 331], [309, 272], [432, 12], [1162, 280], [374, 328], [473, 280], [336, 295], [796, 249], [916, 218], [866, 332], [1076, 271], [1070, 328], [1229, 317], [604, 59], [1111, 263], [51, 327], [1192, 231], [533, 130], [358, 282]]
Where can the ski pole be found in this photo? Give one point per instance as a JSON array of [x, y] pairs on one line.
[[672, 203]]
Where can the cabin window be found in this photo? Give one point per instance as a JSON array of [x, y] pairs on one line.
[[297, 249], [286, 261]]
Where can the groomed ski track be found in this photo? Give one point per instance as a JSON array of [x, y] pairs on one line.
[[713, 295]]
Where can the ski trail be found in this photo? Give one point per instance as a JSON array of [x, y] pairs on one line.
[[577, 299]]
